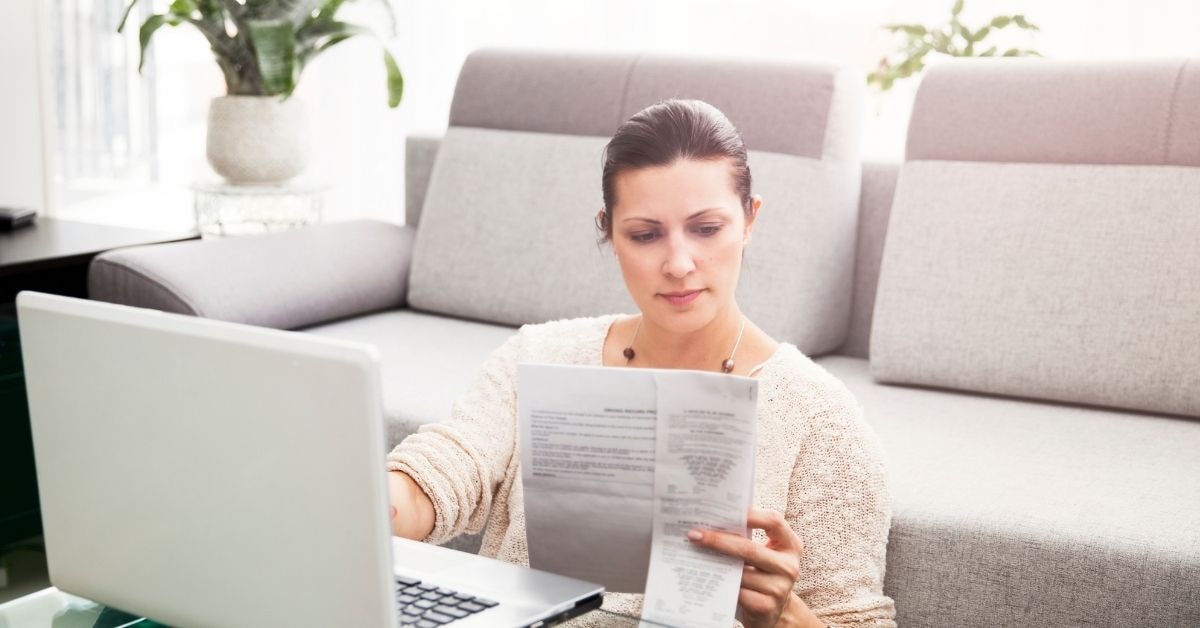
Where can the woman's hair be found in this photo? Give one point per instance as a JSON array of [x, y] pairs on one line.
[[664, 133]]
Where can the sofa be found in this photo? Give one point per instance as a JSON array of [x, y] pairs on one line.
[[1016, 305]]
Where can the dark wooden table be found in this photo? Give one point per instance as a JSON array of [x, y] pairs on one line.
[[48, 256]]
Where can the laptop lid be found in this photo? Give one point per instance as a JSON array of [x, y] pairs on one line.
[[206, 473]]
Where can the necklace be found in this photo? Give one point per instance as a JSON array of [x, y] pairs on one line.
[[726, 366]]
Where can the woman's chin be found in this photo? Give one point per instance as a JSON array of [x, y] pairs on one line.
[[681, 320]]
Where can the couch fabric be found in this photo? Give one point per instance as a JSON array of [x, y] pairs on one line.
[[1007, 512], [284, 280], [1066, 282]]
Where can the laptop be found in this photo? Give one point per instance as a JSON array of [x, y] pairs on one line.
[[203, 473]]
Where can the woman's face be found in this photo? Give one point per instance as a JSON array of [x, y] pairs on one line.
[[678, 232]]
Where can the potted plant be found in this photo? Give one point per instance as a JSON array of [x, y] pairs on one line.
[[257, 133], [952, 39]]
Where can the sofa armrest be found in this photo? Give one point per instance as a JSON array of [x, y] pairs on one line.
[[420, 151], [283, 280]]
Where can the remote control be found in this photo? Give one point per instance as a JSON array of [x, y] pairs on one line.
[[15, 217]]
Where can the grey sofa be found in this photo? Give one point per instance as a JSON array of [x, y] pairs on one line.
[[1016, 306]]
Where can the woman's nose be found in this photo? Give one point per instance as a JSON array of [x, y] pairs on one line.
[[679, 262]]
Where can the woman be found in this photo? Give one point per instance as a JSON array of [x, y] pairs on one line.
[[679, 212]]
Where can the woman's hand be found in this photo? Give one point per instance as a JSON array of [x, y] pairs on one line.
[[770, 572]]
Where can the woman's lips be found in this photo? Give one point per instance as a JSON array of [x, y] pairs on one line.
[[681, 298]]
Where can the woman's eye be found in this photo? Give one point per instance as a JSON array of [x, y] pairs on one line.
[[643, 236], [707, 230]]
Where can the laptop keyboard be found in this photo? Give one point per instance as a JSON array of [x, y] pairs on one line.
[[427, 605]]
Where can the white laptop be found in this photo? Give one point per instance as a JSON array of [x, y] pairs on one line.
[[204, 473]]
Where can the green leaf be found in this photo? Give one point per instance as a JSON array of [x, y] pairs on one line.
[[1001, 22], [958, 7], [916, 30], [318, 37], [1012, 52], [990, 52], [941, 42], [128, 10], [962, 31], [183, 8], [395, 80], [152, 23], [275, 49], [1020, 20], [978, 35]]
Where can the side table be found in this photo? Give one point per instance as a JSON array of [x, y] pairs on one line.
[[223, 209]]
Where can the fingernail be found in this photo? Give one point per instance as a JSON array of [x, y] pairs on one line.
[[695, 535]]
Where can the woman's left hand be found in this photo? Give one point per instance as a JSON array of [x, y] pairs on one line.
[[771, 569]]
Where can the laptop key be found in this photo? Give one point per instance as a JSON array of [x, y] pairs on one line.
[[409, 619], [408, 582], [464, 596], [424, 604], [445, 591], [485, 602], [471, 607], [432, 596], [438, 617], [405, 598], [427, 587], [414, 590], [451, 611], [425, 623]]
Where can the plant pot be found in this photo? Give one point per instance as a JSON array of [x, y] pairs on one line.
[[257, 139]]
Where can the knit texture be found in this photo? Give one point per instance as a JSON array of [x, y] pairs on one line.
[[817, 461]]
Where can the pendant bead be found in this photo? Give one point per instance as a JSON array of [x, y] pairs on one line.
[[628, 353], [727, 366]]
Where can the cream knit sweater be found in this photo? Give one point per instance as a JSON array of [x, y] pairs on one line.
[[817, 462]]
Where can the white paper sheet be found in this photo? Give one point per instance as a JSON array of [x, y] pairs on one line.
[[618, 464]]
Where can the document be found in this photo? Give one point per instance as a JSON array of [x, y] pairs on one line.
[[618, 464]]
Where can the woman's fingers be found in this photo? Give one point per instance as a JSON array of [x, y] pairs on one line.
[[776, 586], [757, 603], [753, 553], [781, 554], [780, 534]]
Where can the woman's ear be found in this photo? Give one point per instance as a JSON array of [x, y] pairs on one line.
[[756, 203]]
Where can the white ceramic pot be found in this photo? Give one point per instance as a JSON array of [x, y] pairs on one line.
[[257, 139]]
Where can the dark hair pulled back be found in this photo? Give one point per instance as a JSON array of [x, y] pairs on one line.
[[664, 133]]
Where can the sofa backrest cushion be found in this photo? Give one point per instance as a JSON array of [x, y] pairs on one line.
[[1044, 238], [506, 231]]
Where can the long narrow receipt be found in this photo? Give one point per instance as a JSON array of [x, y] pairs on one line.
[[703, 477], [618, 464]]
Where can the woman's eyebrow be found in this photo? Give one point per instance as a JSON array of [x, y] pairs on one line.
[[656, 222]]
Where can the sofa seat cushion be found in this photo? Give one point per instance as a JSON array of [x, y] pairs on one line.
[[1009, 512], [427, 361]]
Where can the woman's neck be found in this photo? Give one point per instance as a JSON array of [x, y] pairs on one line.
[[703, 349]]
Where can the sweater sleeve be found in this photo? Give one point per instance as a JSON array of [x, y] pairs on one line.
[[839, 505], [460, 462]]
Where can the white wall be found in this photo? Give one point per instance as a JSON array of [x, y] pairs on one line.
[[24, 132]]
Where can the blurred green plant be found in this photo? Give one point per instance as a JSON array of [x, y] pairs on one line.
[[262, 46], [953, 39]]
